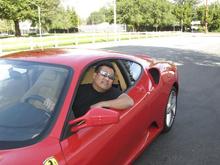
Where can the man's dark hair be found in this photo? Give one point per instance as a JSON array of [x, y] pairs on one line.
[[104, 63]]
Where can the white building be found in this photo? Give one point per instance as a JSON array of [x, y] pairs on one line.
[[103, 27], [26, 27]]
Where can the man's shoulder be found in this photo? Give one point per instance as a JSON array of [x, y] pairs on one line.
[[115, 90], [85, 86], [83, 90]]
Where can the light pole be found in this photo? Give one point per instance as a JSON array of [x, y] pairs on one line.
[[206, 16], [115, 23], [39, 19], [77, 7]]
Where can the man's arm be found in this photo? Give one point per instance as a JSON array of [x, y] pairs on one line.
[[121, 102]]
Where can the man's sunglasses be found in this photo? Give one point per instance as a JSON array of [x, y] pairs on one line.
[[106, 74]]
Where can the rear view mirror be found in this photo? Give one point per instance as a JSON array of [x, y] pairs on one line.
[[95, 117], [14, 74]]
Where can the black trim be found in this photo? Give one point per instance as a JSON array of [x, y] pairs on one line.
[[155, 74]]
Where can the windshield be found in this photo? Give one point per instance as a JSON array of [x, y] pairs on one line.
[[29, 94]]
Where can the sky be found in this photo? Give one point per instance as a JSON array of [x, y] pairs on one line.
[[85, 7]]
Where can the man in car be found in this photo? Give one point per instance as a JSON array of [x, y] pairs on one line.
[[101, 93]]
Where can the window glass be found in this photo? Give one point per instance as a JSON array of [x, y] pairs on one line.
[[133, 69], [25, 87]]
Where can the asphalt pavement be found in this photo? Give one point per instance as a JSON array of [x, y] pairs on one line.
[[195, 136]]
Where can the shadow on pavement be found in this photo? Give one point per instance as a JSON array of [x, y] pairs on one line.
[[195, 136], [176, 55]]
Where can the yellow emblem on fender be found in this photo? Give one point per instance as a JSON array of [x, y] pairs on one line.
[[50, 161]]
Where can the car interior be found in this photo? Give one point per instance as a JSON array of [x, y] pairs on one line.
[[20, 84], [46, 86], [8, 96]]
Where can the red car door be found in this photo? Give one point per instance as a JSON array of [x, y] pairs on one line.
[[112, 144], [116, 143]]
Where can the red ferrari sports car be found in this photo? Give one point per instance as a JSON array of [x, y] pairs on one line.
[[33, 133]]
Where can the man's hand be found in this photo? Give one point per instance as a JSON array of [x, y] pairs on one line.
[[49, 104], [122, 102], [102, 104]]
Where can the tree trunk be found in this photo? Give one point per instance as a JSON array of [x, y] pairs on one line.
[[17, 28]]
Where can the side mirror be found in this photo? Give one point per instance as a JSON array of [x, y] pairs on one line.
[[95, 117]]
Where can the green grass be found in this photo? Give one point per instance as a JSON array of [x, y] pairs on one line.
[[51, 40]]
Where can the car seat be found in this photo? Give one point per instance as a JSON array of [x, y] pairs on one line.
[[48, 85]]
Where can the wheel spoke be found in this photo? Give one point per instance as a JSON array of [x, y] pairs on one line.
[[172, 115], [171, 109]]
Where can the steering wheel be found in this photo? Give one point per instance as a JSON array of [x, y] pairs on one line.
[[35, 97], [38, 98]]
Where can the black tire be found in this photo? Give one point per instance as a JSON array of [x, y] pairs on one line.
[[170, 111]]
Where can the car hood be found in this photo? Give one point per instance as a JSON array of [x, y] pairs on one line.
[[34, 154]]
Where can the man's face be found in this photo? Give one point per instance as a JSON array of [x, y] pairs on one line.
[[102, 81]]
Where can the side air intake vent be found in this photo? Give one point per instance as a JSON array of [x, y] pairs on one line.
[[155, 75]]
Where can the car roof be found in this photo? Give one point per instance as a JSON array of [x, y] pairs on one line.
[[70, 57], [76, 57]]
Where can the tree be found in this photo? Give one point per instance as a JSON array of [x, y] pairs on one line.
[[128, 13], [96, 18], [200, 15], [14, 10], [5, 26], [143, 14], [103, 15], [140, 15], [70, 21], [20, 10], [161, 14], [48, 9], [214, 17], [184, 12]]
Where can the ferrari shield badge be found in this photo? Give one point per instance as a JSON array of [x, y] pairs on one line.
[[50, 161]]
